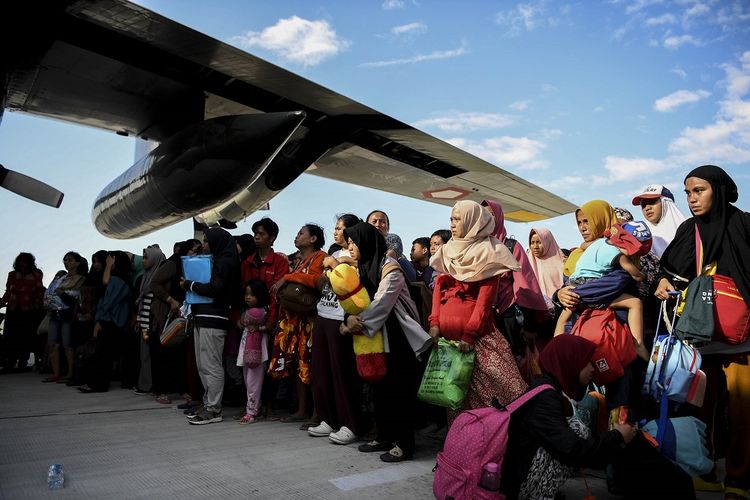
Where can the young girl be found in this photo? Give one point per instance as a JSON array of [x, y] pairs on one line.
[[606, 256], [253, 321]]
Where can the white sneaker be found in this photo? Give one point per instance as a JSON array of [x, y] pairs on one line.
[[320, 430], [343, 436]]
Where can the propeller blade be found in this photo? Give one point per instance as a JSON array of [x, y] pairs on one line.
[[30, 188]]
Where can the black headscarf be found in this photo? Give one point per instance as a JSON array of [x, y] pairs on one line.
[[724, 232], [372, 249], [226, 262], [247, 245]]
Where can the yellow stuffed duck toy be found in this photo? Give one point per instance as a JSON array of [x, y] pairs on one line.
[[369, 351]]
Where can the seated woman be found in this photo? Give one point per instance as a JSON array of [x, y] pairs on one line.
[[471, 264], [393, 312], [544, 445]]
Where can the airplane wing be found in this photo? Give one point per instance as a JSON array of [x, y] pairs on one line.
[[118, 66]]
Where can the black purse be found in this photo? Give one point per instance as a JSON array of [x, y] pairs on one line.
[[298, 298]]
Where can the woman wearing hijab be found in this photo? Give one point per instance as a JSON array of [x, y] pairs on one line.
[[168, 365], [471, 266], [152, 259], [546, 261], [519, 288], [211, 321], [592, 219], [545, 444], [725, 238], [393, 312], [661, 214]]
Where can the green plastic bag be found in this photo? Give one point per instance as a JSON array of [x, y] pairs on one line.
[[446, 380]]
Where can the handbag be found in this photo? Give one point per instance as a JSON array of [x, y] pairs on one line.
[[174, 332], [731, 313], [252, 354], [674, 367], [299, 298], [615, 348], [448, 374], [728, 320]]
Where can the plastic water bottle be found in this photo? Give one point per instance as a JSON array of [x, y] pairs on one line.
[[490, 479], [55, 477]]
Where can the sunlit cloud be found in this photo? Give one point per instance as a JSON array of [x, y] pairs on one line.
[[661, 20], [459, 122], [679, 98], [393, 4], [296, 40], [519, 152], [526, 17], [520, 105], [679, 72], [433, 56], [409, 29], [674, 42]]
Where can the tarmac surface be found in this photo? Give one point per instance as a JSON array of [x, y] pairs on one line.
[[121, 445]]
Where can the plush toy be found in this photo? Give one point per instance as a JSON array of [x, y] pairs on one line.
[[369, 351]]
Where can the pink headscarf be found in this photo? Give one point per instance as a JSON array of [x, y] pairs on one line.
[[548, 268], [521, 286]]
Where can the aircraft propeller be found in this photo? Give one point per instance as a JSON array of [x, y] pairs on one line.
[[30, 188]]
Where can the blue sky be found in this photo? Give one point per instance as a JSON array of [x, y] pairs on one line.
[[590, 100]]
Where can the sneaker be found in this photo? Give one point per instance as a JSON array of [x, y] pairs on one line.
[[206, 417], [194, 412], [320, 430], [342, 436]]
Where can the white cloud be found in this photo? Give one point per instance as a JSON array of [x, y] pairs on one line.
[[641, 4], [678, 98], [598, 109], [297, 40], [699, 9], [563, 183], [679, 72], [393, 4], [727, 139], [519, 105], [409, 29], [663, 19], [673, 42], [438, 54], [550, 133], [548, 88], [458, 122], [525, 17], [506, 151], [621, 169]]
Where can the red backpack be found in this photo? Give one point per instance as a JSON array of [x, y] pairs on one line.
[[476, 438], [615, 348]]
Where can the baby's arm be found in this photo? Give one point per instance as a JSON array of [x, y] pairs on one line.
[[631, 268]]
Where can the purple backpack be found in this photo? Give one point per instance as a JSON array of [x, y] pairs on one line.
[[475, 438]]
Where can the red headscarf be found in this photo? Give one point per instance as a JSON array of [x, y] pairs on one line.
[[564, 357], [525, 290]]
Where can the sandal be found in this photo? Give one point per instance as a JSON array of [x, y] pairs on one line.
[[395, 454], [247, 419], [730, 492], [163, 399]]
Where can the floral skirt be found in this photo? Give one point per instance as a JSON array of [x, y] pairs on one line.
[[495, 375], [292, 349], [546, 475]]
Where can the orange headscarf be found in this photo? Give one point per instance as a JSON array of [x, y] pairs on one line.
[[601, 216], [475, 255]]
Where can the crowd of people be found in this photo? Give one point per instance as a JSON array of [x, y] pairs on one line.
[[471, 283]]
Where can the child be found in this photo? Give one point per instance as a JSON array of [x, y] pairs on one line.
[[604, 257], [253, 321]]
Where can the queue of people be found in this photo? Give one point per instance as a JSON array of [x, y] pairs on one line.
[[486, 293]]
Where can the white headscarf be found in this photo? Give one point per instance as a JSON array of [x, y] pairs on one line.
[[663, 231]]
